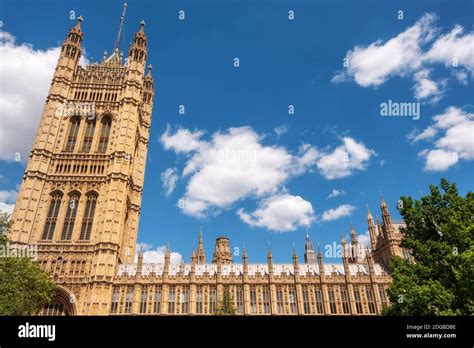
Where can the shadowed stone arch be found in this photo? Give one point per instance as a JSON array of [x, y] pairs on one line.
[[63, 303]]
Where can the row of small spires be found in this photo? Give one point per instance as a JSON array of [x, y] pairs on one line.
[[200, 257], [117, 56]]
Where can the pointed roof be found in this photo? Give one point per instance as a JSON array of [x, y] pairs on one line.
[[308, 247]]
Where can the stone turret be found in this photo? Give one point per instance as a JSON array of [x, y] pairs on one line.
[[222, 250]]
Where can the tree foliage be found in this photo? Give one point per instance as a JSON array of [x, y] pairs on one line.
[[439, 234], [24, 287], [226, 304]]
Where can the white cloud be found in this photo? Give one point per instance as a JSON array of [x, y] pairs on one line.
[[337, 213], [439, 160], [336, 193], [281, 130], [461, 76], [372, 65], [427, 89], [7, 201], [454, 49], [281, 213], [182, 141], [408, 55], [364, 240], [157, 255], [345, 159], [168, 179], [455, 129], [26, 76], [428, 133], [6, 208], [236, 163]]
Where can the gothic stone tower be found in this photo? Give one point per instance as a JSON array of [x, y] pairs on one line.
[[81, 192]]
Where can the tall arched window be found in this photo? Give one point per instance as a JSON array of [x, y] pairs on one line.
[[88, 136], [104, 134], [70, 218], [74, 124], [52, 217], [88, 218]]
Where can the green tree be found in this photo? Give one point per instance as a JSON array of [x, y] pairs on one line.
[[226, 304], [439, 233], [24, 287]]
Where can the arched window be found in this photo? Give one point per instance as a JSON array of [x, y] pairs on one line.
[[52, 217], [104, 134], [74, 124], [70, 216], [88, 218], [89, 135]]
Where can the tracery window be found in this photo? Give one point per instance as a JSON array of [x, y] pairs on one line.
[[88, 218], [306, 306], [157, 300], [105, 134], [345, 301], [199, 300], [88, 136], [74, 124], [52, 217], [319, 301], [332, 301], [70, 218]]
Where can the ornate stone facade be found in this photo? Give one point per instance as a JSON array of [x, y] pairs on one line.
[[80, 202]]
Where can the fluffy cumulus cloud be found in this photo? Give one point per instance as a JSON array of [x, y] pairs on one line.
[[454, 49], [168, 180], [364, 240], [426, 88], [26, 75], [408, 55], [156, 255], [182, 141], [337, 213], [234, 165], [7, 201], [281, 213], [451, 136], [336, 193], [344, 160], [231, 166]]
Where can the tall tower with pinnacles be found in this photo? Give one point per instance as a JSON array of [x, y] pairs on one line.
[[80, 201]]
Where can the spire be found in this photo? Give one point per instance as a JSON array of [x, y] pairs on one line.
[[148, 75], [270, 260], [79, 22], [166, 263], [167, 252], [200, 254], [140, 261], [320, 262], [372, 231], [354, 239], [309, 254], [137, 52], [386, 218], [120, 31]]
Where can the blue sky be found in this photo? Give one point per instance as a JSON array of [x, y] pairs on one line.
[[287, 164]]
